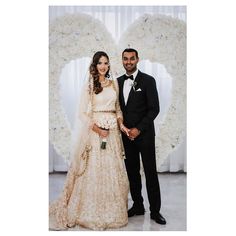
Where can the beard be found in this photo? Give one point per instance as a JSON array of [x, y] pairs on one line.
[[130, 69]]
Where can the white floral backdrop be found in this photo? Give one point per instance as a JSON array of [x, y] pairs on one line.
[[117, 20]]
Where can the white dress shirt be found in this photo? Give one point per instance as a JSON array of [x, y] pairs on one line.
[[128, 85]]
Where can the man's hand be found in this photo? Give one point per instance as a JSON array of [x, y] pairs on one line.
[[133, 133]]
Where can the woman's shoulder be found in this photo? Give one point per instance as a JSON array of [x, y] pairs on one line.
[[115, 81], [115, 84]]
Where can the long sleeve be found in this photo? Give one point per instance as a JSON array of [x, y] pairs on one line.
[[152, 106], [119, 113]]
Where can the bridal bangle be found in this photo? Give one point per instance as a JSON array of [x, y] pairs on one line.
[[122, 126]]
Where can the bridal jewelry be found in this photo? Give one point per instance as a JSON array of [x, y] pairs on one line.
[[105, 83]]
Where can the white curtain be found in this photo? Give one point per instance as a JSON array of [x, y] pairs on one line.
[[116, 19]]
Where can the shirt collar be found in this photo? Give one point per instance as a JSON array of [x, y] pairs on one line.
[[134, 74]]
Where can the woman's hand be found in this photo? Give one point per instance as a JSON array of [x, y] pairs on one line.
[[101, 132], [124, 129]]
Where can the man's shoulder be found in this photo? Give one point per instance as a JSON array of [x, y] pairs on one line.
[[119, 78], [146, 76]]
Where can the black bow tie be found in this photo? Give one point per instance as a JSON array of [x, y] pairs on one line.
[[129, 77]]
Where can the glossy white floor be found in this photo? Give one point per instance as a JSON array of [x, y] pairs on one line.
[[173, 192]]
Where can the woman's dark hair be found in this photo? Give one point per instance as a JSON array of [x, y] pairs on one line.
[[97, 88]]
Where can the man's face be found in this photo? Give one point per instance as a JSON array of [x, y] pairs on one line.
[[130, 61]]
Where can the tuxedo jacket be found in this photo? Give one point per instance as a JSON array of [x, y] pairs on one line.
[[142, 105]]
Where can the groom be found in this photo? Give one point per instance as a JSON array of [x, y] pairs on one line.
[[140, 105]]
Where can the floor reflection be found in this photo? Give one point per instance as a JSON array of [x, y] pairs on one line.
[[173, 192]]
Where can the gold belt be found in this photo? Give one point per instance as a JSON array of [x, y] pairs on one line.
[[111, 111]]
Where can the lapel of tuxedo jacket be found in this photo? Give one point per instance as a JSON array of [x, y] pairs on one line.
[[137, 79], [121, 91]]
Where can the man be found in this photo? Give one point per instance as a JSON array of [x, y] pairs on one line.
[[140, 105]]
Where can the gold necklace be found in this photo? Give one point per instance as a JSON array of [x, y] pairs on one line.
[[105, 83]]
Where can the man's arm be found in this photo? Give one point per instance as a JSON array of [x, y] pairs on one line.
[[153, 107]]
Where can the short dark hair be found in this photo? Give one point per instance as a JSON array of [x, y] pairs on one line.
[[130, 50]]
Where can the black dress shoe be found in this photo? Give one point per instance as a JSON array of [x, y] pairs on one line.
[[158, 218], [136, 211]]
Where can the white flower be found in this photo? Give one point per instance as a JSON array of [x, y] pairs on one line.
[[158, 38]]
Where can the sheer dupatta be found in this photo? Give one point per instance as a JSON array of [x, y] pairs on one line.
[[83, 124], [80, 146]]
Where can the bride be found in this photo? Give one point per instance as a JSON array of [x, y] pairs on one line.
[[95, 193]]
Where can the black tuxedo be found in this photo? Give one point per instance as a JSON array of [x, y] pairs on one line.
[[140, 111]]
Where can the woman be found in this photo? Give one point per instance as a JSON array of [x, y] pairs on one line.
[[95, 194]]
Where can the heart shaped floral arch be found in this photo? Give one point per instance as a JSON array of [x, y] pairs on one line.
[[157, 38]]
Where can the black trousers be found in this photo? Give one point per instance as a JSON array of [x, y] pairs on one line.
[[146, 147]]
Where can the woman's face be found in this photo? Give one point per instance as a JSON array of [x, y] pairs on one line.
[[103, 66]]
